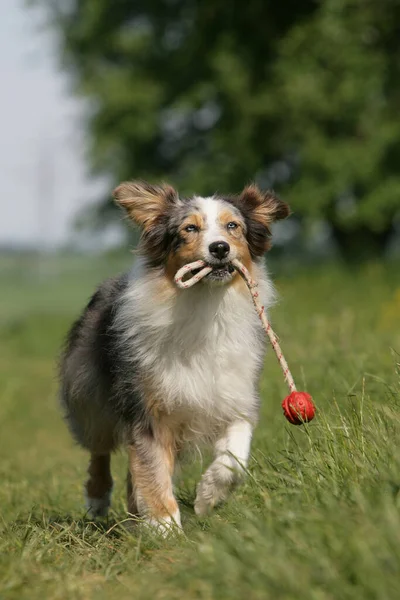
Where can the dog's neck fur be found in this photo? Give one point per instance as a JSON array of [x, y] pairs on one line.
[[187, 318], [202, 347]]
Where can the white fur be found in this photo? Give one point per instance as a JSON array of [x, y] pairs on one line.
[[232, 453], [202, 349], [210, 208], [166, 526]]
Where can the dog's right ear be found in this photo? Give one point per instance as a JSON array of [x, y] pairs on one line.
[[143, 202]]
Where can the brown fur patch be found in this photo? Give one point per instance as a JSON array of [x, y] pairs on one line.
[[152, 400], [151, 464], [189, 249], [237, 240], [227, 216], [100, 481], [143, 202], [195, 219], [238, 282]]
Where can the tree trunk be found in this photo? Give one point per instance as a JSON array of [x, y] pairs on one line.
[[361, 244]]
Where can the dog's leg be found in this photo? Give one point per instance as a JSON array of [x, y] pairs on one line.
[[131, 495], [98, 487], [228, 468], [151, 465]]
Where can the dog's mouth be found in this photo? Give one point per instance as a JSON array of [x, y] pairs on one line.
[[220, 272]]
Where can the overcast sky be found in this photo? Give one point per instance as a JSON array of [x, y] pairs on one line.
[[41, 149]]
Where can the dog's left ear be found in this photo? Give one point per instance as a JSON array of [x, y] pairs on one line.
[[143, 202], [261, 209], [265, 207]]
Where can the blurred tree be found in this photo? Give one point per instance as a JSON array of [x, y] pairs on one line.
[[337, 88], [301, 95]]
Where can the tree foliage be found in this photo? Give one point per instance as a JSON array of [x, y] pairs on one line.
[[301, 95]]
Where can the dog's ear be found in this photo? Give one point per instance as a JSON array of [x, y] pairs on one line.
[[261, 209], [265, 207], [143, 202]]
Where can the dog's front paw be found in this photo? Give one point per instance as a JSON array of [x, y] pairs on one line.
[[165, 527], [98, 507], [204, 502], [215, 486]]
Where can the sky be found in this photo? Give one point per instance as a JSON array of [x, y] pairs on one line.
[[42, 163]]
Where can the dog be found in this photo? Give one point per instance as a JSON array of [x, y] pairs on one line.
[[155, 368]]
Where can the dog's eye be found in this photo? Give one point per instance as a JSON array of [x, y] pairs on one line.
[[191, 228], [232, 225]]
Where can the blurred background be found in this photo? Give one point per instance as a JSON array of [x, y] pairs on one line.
[[301, 96]]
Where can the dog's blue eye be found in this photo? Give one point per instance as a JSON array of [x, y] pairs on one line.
[[191, 228], [232, 225]]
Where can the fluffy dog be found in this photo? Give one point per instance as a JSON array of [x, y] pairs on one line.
[[153, 367]]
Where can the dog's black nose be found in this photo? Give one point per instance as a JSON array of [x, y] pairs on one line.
[[219, 249]]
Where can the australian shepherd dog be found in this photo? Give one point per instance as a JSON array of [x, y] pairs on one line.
[[155, 368]]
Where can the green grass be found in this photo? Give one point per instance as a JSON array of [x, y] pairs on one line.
[[319, 515]]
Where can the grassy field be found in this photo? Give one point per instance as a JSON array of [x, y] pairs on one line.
[[319, 515]]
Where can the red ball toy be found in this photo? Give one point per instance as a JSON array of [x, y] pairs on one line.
[[298, 408]]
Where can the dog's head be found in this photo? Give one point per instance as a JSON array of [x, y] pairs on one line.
[[177, 231]]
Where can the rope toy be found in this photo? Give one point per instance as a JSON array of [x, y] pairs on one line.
[[298, 407]]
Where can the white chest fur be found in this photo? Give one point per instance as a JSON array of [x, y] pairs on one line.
[[201, 349]]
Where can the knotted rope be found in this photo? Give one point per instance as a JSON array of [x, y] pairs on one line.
[[298, 406]]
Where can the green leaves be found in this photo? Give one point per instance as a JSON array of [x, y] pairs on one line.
[[339, 108], [301, 96]]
